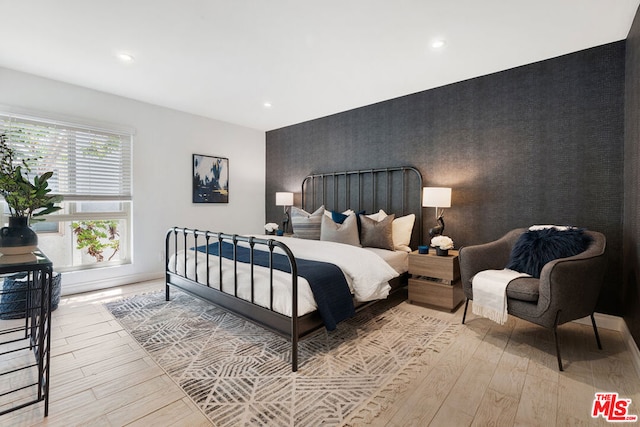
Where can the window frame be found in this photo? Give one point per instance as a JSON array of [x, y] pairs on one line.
[[81, 131]]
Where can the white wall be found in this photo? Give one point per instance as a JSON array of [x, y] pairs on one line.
[[163, 144]]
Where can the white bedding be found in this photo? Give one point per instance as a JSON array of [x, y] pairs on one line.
[[366, 272], [398, 260]]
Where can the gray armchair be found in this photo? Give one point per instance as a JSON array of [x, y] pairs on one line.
[[567, 290]]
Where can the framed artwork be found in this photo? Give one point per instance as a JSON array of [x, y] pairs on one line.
[[210, 179]]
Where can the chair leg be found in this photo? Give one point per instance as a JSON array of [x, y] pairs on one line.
[[595, 330], [466, 305], [555, 336]]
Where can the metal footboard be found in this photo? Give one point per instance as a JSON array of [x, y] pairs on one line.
[[184, 239]]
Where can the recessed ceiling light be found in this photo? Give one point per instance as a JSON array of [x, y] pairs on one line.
[[437, 44], [267, 105], [125, 57]]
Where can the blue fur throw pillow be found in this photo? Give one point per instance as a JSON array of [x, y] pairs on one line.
[[536, 248]]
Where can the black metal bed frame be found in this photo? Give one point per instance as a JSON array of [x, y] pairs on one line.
[[294, 327], [348, 189]]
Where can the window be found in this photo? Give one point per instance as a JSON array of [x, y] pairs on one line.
[[92, 170]]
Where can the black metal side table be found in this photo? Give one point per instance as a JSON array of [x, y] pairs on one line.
[[23, 379]]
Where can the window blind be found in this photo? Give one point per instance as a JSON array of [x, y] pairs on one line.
[[88, 163]]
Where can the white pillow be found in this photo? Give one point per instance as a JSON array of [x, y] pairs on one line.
[[378, 216], [402, 228]]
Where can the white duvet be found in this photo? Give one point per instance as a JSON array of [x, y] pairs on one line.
[[367, 274]]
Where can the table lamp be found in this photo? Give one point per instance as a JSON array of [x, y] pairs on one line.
[[284, 199], [439, 198]]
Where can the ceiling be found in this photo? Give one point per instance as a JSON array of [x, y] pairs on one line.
[[226, 59]]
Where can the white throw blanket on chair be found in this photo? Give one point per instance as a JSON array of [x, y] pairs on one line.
[[490, 293]]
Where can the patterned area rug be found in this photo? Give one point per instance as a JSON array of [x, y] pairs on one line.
[[240, 374]]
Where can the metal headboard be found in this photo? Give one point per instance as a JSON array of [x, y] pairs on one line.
[[395, 190]]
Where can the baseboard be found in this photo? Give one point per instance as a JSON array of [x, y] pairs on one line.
[[631, 345], [96, 285], [605, 321], [616, 323]]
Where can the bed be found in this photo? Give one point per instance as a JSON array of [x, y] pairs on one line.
[[273, 281]]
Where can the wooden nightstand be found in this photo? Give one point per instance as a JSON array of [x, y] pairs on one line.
[[435, 280]]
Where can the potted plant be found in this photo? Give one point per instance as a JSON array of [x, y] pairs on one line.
[[442, 245], [28, 200]]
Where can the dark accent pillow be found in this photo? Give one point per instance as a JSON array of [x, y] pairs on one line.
[[338, 217], [536, 248], [358, 213], [377, 234]]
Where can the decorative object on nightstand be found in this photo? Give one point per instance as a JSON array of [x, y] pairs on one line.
[[271, 228], [435, 280], [439, 198], [423, 250], [284, 199], [442, 245]]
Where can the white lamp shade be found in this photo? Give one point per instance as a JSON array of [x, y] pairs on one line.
[[438, 197], [284, 198]]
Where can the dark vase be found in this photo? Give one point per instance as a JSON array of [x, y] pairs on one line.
[[442, 252], [18, 238]]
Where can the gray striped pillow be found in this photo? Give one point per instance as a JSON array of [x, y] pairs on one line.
[[306, 225]]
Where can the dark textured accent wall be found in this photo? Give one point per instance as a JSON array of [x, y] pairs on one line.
[[537, 144], [631, 285]]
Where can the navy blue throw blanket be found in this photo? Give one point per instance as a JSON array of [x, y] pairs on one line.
[[329, 287]]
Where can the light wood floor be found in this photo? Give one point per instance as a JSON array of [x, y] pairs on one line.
[[490, 375]]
